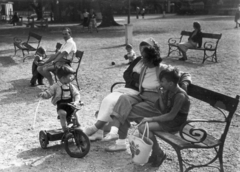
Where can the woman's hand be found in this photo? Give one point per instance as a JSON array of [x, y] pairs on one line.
[[147, 120]]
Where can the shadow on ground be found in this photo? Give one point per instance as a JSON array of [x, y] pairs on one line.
[[6, 61], [19, 92]]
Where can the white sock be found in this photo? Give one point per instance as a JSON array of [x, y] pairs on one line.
[[114, 130], [94, 128], [100, 131], [120, 141]]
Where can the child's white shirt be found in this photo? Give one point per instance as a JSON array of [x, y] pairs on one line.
[[131, 55]]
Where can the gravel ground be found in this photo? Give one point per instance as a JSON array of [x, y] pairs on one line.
[[19, 145]]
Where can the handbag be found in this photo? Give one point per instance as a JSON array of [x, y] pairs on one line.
[[141, 147]]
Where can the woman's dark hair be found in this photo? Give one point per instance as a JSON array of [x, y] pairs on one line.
[[171, 74], [197, 25], [152, 55]]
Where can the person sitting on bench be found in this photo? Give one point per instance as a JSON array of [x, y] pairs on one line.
[[194, 41], [63, 57]]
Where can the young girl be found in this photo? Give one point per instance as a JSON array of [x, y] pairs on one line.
[[194, 40], [63, 92]]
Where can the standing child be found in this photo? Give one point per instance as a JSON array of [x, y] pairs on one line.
[[237, 16], [63, 92], [174, 106], [92, 21], [143, 12], [85, 18], [131, 55], [38, 60]]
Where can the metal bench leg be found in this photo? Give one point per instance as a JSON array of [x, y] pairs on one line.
[[15, 50], [76, 78], [180, 161], [169, 51], [204, 57], [220, 156]]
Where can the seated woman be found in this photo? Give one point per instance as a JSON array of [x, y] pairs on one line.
[[149, 84], [131, 76], [194, 41]]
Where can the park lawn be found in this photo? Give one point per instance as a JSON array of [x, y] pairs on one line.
[[20, 149]]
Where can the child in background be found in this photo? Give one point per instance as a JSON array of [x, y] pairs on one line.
[[131, 55], [92, 21], [237, 16], [63, 92], [38, 60]]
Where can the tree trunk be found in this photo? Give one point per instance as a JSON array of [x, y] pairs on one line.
[[107, 14]]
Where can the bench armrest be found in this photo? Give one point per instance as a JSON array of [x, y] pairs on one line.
[[174, 40], [116, 83], [198, 133], [210, 45]]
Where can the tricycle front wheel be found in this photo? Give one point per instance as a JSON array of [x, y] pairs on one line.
[[77, 144]]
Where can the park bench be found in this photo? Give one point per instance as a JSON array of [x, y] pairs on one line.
[[39, 23], [31, 44], [209, 46], [192, 137]]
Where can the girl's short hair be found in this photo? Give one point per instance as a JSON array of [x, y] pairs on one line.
[[152, 55], [197, 25], [171, 74]]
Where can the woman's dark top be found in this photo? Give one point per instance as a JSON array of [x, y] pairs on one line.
[[196, 38], [132, 78]]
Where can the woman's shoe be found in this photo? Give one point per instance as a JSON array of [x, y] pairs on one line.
[[96, 136], [110, 137], [116, 148]]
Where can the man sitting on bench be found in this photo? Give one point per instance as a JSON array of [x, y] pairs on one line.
[[63, 57]]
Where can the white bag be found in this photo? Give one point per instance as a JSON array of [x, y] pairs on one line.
[[141, 148]]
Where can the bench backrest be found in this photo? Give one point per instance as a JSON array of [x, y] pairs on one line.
[[218, 101], [204, 35]]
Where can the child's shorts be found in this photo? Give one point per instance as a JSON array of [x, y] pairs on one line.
[[65, 107]]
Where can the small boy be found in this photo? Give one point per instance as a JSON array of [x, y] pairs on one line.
[[38, 60], [63, 92], [131, 55]]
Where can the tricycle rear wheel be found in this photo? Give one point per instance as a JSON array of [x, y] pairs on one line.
[[43, 139]]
